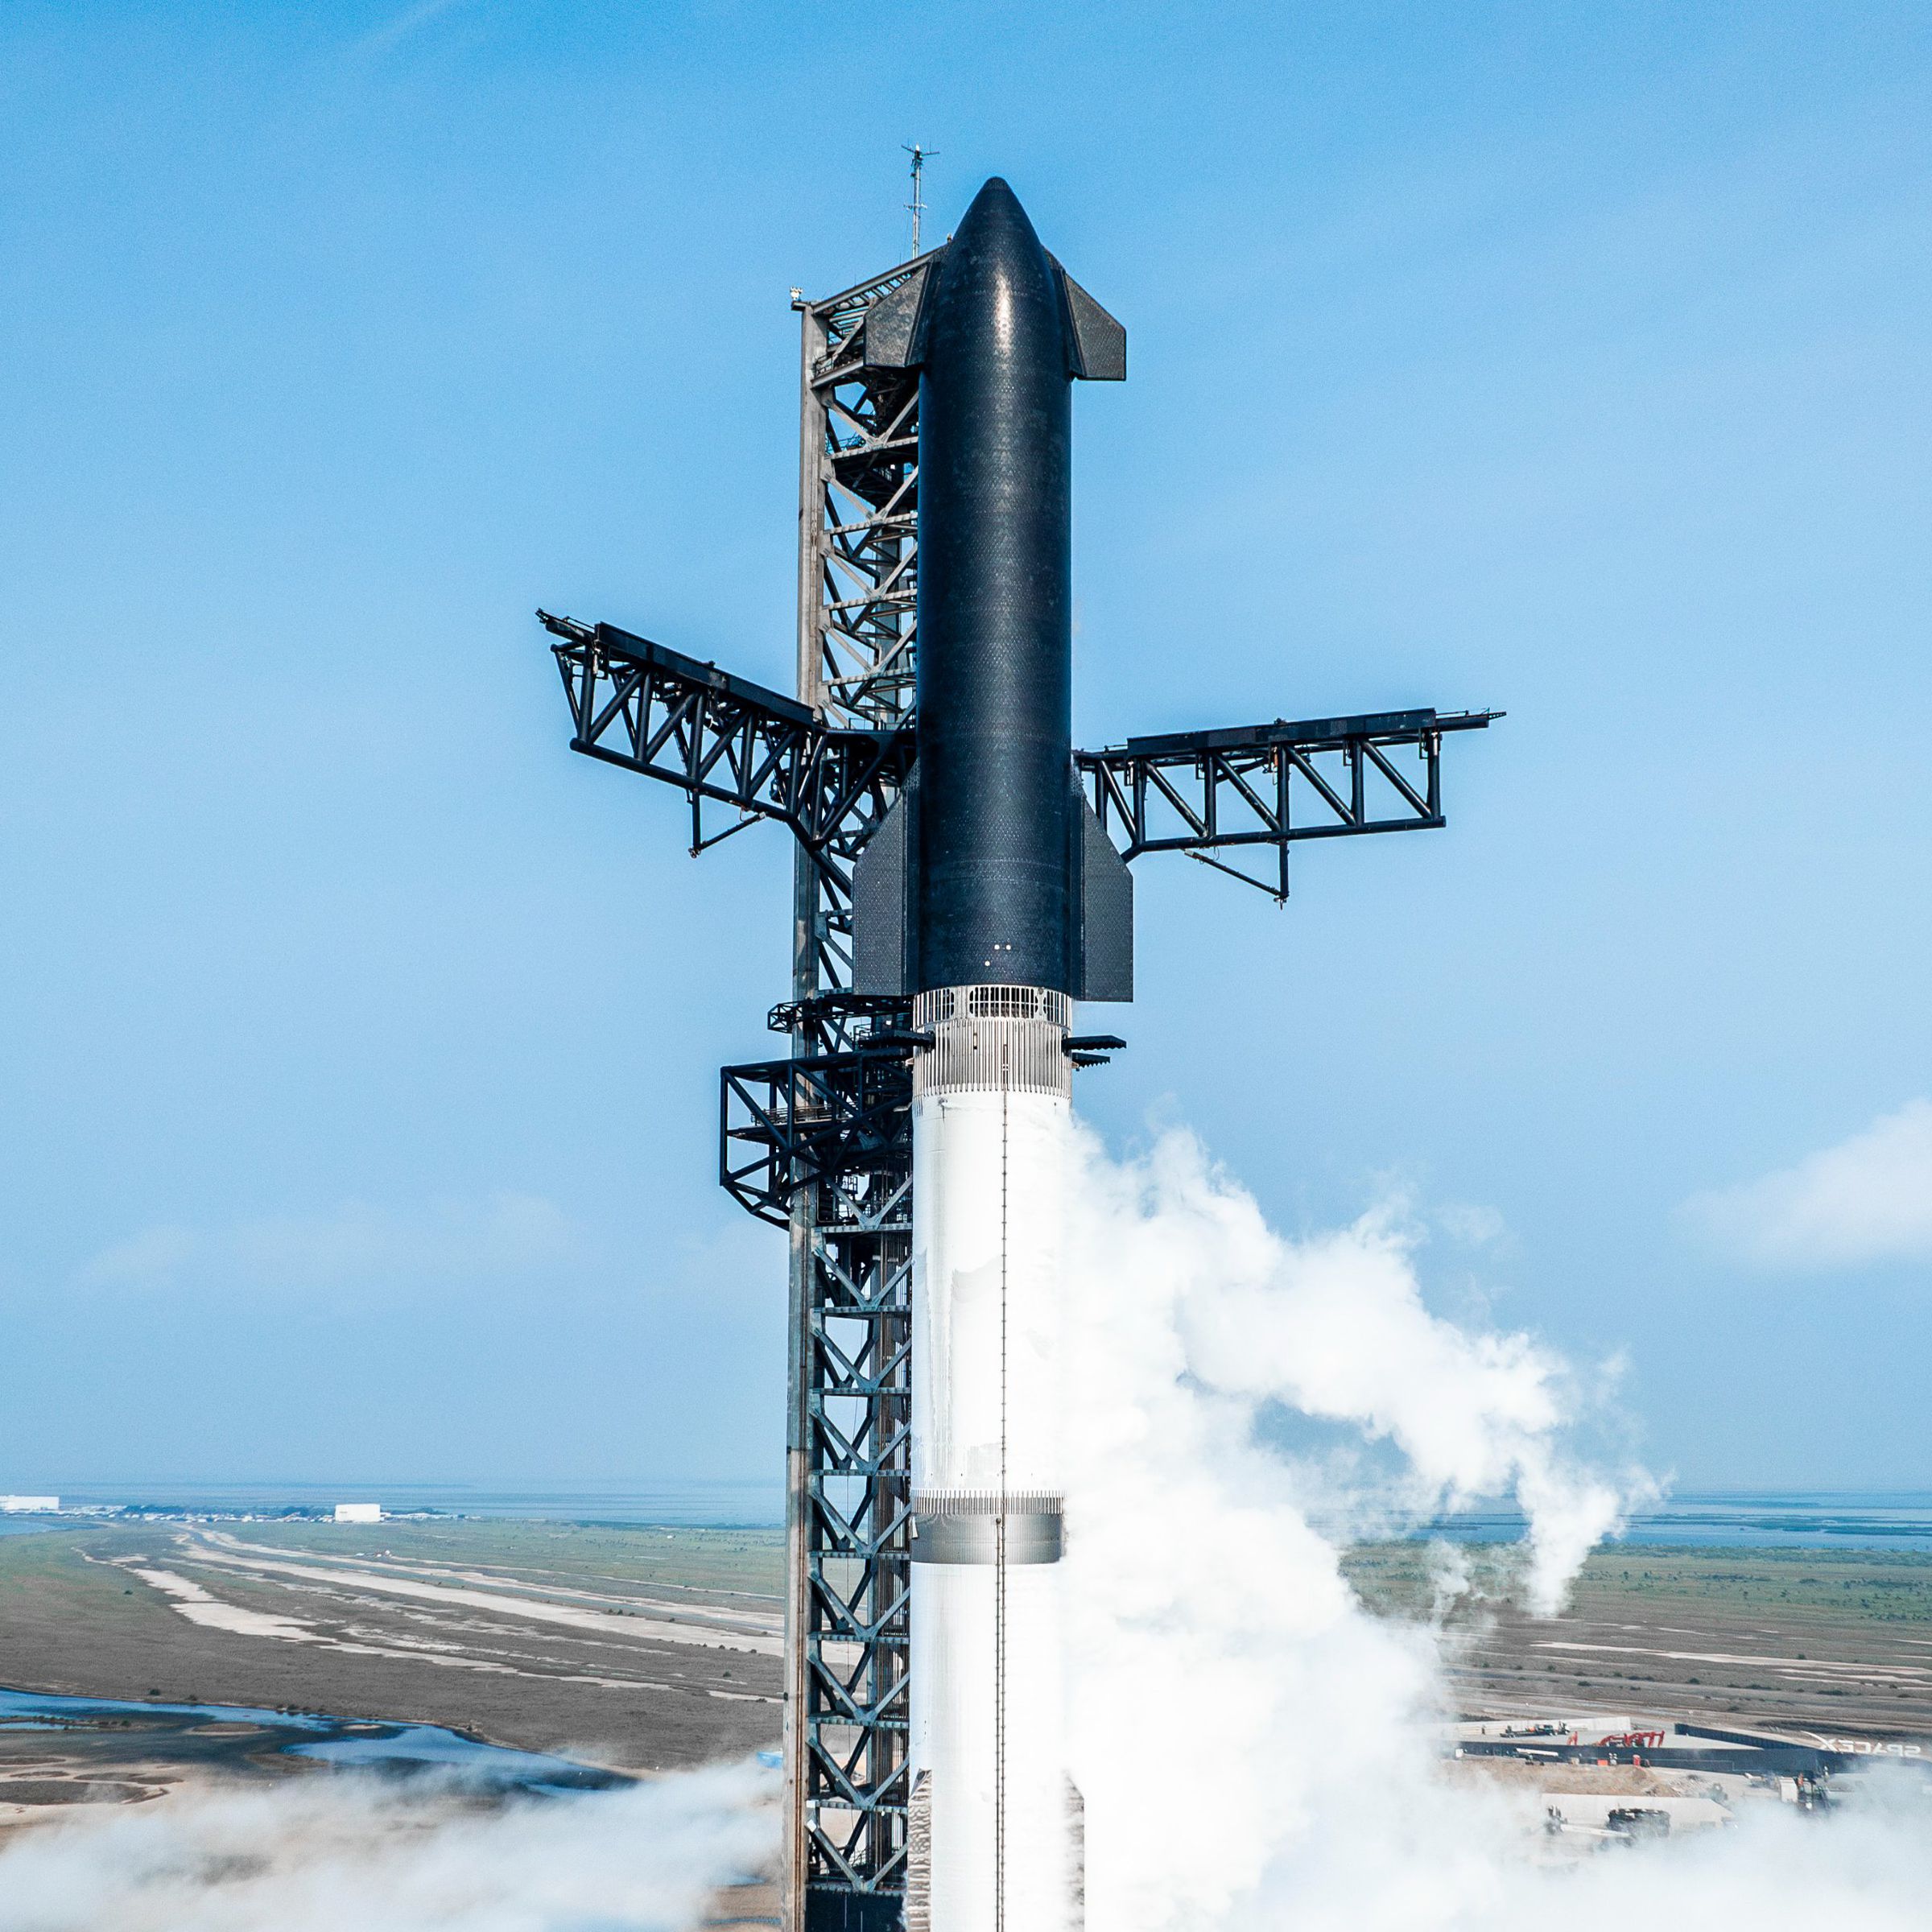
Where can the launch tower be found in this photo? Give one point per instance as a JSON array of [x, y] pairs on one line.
[[960, 882]]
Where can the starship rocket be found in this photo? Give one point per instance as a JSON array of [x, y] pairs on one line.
[[992, 897]]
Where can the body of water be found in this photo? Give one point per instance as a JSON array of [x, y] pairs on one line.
[[1819, 1519], [248, 1734], [1899, 1519], [725, 1505]]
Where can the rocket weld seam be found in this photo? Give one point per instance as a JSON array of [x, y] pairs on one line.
[[1000, 1550], [988, 1502]]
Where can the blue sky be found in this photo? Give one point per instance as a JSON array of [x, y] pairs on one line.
[[1572, 360]]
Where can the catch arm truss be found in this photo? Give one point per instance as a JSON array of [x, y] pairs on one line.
[[1237, 789], [840, 1108], [724, 741]]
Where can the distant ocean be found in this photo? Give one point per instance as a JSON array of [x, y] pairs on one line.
[[1821, 1519], [1734, 1519], [712, 1505]]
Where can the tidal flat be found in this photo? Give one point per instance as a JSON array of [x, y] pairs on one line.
[[637, 1649], [1816, 1643]]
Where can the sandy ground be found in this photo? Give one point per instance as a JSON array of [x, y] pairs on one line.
[[1821, 1645], [640, 1671], [648, 1649]]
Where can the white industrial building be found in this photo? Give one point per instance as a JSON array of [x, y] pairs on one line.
[[358, 1513]]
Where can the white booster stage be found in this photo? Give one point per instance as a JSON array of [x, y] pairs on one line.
[[996, 1837]]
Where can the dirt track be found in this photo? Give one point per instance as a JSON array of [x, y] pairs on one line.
[[635, 1649]]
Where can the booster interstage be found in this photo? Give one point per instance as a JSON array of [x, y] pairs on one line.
[[962, 884]]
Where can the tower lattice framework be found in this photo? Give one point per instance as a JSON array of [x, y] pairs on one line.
[[848, 1450]]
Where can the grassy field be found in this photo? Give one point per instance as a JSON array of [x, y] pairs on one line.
[[653, 1648], [641, 1648], [1833, 1640], [701, 1562], [1828, 1585]]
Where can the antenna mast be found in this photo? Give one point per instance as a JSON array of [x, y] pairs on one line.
[[916, 207]]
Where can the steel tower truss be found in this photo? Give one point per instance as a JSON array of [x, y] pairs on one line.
[[820, 1142], [849, 1501]]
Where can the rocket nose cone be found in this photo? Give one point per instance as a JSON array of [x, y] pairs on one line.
[[996, 212], [995, 267]]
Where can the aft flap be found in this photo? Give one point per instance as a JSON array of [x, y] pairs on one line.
[[893, 337], [1106, 953], [1099, 343], [883, 934]]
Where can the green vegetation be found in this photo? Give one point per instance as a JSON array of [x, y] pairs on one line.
[[751, 1562], [705, 1563], [1832, 1588], [49, 1569]]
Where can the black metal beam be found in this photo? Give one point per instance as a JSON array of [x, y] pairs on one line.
[[786, 1124], [725, 740], [1385, 727], [1207, 792]]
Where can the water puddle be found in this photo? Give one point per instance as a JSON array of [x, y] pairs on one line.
[[99, 1732]]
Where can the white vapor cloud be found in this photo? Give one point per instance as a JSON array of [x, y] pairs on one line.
[[357, 1245], [1335, 1328], [1474, 1226], [341, 1850], [1868, 1199], [1254, 1748], [1257, 1752]]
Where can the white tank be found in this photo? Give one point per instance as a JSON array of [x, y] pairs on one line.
[[994, 1839]]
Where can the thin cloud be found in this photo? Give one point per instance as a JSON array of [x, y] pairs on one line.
[[1472, 1224], [1867, 1199], [379, 40], [355, 1246], [154, 1257]]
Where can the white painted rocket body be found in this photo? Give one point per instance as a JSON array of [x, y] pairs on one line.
[[995, 1817]]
